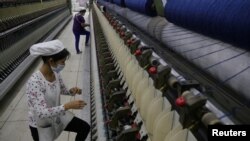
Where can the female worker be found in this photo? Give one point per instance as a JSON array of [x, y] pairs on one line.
[[79, 29], [47, 117]]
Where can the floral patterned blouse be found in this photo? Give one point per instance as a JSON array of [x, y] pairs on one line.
[[35, 91]]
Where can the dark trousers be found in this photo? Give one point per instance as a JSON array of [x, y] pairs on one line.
[[76, 125], [77, 38]]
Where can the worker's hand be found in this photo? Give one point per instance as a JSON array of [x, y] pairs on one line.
[[77, 104], [84, 25], [75, 90]]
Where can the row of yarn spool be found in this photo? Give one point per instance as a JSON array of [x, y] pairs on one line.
[[226, 20], [142, 6], [119, 2], [213, 56]]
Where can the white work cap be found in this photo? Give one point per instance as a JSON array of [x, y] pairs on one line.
[[46, 48]]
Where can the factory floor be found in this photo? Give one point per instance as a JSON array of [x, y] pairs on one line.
[[14, 110]]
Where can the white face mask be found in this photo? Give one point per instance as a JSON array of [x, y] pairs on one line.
[[58, 68]]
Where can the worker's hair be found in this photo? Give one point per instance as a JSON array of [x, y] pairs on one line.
[[82, 11], [61, 55]]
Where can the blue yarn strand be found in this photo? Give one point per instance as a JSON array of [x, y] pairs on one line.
[[141, 6], [119, 2], [227, 20]]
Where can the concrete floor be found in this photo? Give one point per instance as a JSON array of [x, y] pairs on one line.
[[13, 108]]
